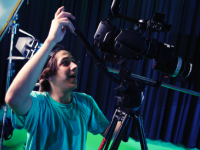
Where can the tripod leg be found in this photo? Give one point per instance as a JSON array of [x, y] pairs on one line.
[[109, 133], [141, 133], [118, 137]]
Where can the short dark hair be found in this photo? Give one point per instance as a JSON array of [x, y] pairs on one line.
[[50, 68]]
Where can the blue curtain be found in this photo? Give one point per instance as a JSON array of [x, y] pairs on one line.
[[168, 115]]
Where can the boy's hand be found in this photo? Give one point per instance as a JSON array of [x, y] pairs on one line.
[[59, 25]]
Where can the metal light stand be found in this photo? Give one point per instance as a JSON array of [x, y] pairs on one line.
[[10, 72]]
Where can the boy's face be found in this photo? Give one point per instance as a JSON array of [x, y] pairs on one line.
[[67, 71]]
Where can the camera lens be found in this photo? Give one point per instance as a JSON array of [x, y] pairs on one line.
[[186, 70], [173, 66]]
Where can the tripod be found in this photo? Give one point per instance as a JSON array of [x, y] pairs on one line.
[[129, 104], [126, 119]]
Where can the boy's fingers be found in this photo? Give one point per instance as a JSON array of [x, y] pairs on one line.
[[66, 22], [71, 16], [71, 28], [71, 25], [64, 15], [58, 11]]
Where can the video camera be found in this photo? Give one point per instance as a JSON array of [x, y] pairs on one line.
[[117, 43]]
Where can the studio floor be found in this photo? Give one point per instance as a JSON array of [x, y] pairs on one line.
[[19, 138]]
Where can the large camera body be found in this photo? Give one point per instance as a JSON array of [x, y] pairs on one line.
[[118, 43]]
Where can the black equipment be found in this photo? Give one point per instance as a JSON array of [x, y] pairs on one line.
[[131, 44], [119, 46]]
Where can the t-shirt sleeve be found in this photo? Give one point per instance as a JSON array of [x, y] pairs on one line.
[[30, 120], [97, 121]]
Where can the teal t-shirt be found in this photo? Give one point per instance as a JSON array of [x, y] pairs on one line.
[[51, 125]]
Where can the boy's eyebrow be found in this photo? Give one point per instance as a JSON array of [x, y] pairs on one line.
[[71, 58]]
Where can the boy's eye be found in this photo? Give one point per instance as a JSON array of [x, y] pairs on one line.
[[66, 62]]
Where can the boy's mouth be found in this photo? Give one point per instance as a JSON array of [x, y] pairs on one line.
[[72, 76]]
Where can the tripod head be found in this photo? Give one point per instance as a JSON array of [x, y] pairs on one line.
[[131, 91]]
